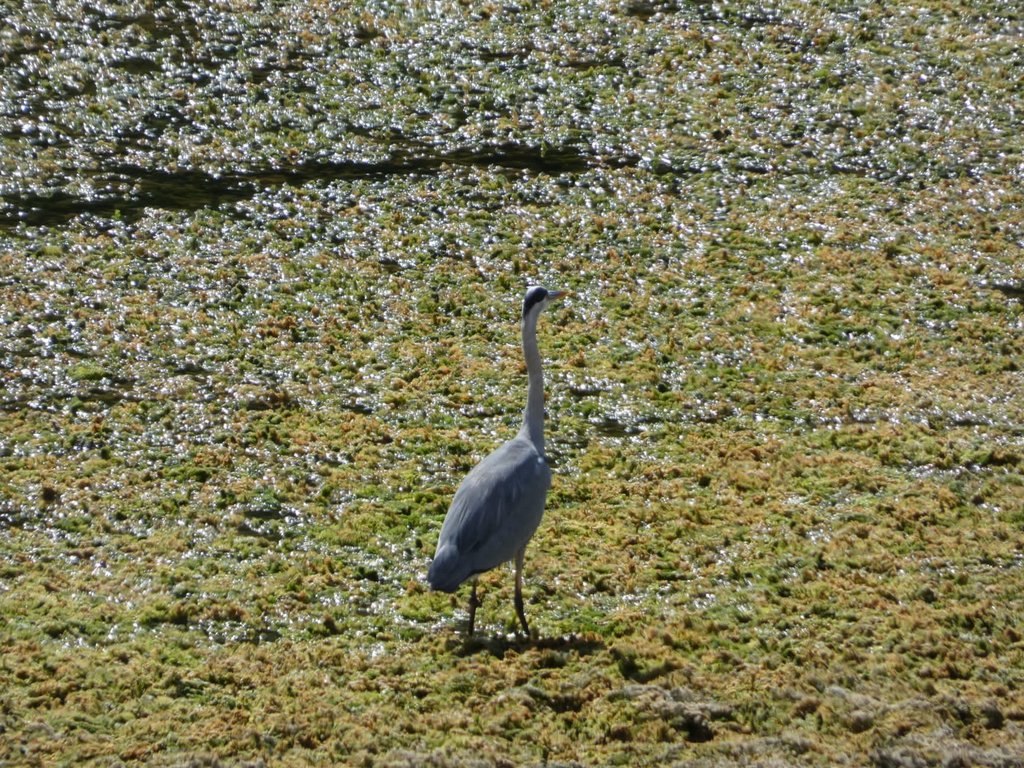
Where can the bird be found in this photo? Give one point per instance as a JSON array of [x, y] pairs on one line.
[[498, 506]]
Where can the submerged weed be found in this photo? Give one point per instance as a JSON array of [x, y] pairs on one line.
[[258, 316]]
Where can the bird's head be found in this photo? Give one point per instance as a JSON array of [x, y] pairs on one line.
[[537, 298]]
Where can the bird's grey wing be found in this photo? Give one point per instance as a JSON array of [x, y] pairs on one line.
[[498, 507]]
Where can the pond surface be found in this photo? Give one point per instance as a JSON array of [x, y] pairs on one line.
[[260, 270]]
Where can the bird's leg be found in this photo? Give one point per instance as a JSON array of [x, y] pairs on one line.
[[520, 555], [473, 603]]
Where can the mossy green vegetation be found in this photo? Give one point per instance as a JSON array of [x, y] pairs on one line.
[[259, 279]]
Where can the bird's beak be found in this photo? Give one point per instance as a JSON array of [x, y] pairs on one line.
[[557, 294]]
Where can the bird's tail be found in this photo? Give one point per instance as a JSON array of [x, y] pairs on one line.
[[446, 572]]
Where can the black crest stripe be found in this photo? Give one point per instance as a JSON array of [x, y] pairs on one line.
[[533, 297]]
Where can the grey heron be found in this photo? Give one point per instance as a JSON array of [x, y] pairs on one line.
[[499, 504]]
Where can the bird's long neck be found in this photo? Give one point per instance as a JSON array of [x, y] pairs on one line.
[[533, 418]]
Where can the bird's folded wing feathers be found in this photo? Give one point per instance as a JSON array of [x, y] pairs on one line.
[[499, 504]]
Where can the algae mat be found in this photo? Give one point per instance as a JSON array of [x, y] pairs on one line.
[[260, 267]]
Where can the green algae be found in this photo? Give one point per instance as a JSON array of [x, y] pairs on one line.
[[260, 270]]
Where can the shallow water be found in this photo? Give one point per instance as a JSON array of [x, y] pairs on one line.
[[259, 278]]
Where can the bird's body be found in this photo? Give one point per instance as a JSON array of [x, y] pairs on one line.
[[500, 503], [494, 514]]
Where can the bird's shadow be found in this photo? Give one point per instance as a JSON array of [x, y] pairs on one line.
[[499, 645]]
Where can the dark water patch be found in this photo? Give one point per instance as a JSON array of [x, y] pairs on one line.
[[268, 400], [584, 390], [13, 515], [189, 368], [56, 207], [264, 513], [585, 64], [16, 52], [1011, 290], [72, 400], [262, 73], [105, 395], [266, 532], [489, 54], [609, 426], [390, 265], [266, 507], [742, 17], [355, 406], [137, 65], [134, 189], [998, 457], [646, 9], [228, 632], [15, 404], [169, 20], [542, 159]]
